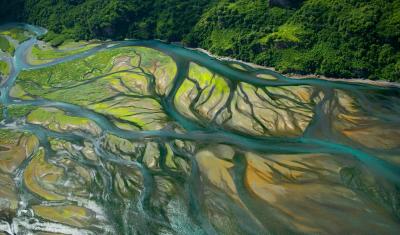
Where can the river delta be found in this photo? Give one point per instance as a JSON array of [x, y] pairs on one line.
[[145, 137]]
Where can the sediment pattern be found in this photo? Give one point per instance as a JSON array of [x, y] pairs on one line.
[[142, 137]]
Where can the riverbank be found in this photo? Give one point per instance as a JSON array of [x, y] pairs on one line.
[[382, 83]]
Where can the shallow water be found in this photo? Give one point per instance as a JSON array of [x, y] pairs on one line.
[[264, 156]]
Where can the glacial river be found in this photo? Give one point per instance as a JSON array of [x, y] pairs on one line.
[[380, 103]]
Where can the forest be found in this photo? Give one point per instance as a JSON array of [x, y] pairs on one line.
[[336, 38]]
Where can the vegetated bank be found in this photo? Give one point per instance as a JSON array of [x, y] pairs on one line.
[[336, 38]]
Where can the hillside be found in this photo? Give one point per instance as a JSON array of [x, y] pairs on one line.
[[338, 38]]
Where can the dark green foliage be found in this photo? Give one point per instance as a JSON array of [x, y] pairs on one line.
[[55, 39], [5, 45], [339, 38], [286, 3], [4, 69], [116, 19], [18, 111]]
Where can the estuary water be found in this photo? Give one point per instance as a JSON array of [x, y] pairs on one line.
[[324, 134]]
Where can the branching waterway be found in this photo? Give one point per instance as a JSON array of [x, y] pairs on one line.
[[144, 137]]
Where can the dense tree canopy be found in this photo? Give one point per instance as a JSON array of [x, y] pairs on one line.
[[342, 38]]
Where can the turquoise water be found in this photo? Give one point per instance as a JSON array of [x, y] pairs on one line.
[[319, 137]]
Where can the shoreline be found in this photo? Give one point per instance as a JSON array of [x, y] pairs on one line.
[[382, 83]]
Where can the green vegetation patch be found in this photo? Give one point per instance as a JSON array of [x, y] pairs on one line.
[[6, 46], [18, 111], [144, 113], [47, 115], [69, 73], [4, 69], [57, 120], [55, 39], [206, 78], [84, 94], [93, 78], [286, 33], [222, 40], [8, 136], [17, 34], [46, 53]]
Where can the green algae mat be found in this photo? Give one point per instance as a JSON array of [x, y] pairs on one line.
[[143, 137]]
